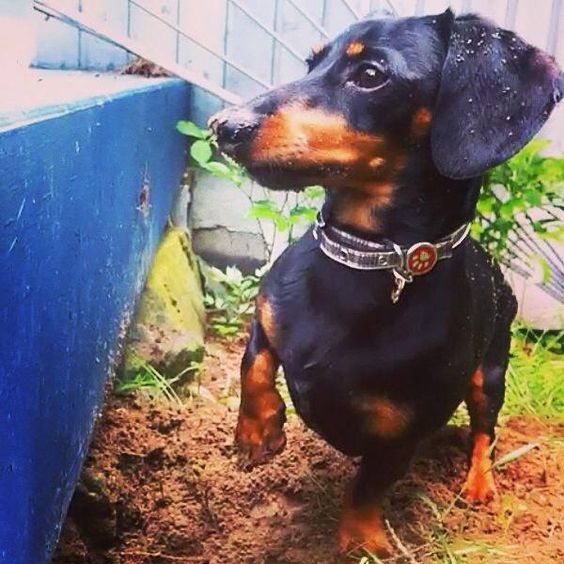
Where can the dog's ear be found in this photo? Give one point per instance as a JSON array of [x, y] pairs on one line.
[[496, 92]]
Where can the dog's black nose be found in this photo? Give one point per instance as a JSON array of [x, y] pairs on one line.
[[233, 127]]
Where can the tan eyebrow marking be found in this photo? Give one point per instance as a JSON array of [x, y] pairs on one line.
[[420, 122], [355, 48]]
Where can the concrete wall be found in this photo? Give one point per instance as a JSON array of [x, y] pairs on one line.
[[85, 191]]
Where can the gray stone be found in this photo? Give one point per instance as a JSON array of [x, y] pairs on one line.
[[223, 233], [222, 248], [169, 326]]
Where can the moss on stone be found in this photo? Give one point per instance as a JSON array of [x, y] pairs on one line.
[[169, 325]]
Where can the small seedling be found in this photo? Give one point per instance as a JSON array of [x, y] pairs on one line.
[[229, 298], [149, 380]]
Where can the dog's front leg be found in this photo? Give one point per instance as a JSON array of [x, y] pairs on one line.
[[259, 434]]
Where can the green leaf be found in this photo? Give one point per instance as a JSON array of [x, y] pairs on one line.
[[264, 209], [314, 192], [218, 169], [529, 179], [267, 204], [303, 213], [201, 152], [545, 268], [191, 129], [533, 197], [282, 224], [506, 211], [485, 206]]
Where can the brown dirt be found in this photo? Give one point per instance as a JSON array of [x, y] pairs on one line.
[[145, 68], [169, 490]]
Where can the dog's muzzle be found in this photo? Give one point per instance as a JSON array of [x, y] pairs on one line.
[[234, 128]]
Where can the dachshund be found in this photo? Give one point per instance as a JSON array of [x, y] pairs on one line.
[[385, 316]]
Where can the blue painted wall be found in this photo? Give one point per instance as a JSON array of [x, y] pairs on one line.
[[77, 234]]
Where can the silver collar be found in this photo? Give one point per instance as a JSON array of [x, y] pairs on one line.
[[404, 262]]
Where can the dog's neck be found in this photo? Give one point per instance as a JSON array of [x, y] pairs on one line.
[[419, 205]]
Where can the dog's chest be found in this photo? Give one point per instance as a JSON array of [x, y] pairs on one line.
[[379, 378], [358, 365]]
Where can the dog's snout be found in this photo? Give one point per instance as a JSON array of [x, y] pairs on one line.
[[234, 126], [234, 131]]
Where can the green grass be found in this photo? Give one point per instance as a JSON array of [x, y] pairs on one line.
[[534, 387], [149, 380], [534, 382], [441, 544]]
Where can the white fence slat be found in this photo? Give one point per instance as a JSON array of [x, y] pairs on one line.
[[298, 32], [205, 21], [436, 6], [493, 10], [57, 45], [98, 54], [532, 21], [250, 44], [144, 27], [337, 17], [556, 28], [313, 7]]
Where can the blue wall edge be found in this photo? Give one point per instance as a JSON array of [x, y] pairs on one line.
[[84, 198]]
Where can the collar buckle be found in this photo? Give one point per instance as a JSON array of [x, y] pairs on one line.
[[402, 274]]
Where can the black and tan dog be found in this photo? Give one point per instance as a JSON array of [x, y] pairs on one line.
[[397, 119]]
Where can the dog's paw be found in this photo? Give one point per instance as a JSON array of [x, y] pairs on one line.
[[480, 484], [258, 440], [362, 530]]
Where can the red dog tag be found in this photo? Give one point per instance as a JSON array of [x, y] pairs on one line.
[[421, 258]]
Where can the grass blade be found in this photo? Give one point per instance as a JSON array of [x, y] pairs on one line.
[[515, 454]]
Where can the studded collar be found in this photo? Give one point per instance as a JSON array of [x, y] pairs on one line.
[[404, 262]]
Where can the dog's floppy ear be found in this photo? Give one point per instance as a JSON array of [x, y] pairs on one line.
[[496, 92]]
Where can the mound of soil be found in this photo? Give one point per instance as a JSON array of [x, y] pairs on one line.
[[162, 485]]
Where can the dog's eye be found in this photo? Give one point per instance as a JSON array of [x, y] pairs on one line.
[[370, 77]]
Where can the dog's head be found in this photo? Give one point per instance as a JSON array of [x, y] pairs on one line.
[[473, 92]]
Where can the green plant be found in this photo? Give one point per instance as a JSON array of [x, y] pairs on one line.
[[229, 298], [534, 383], [297, 208], [528, 180], [148, 379], [294, 210], [441, 542], [202, 152]]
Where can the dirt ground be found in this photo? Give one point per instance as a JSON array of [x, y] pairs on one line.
[[162, 485]]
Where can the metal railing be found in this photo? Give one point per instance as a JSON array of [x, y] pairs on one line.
[[77, 18], [97, 29], [315, 21]]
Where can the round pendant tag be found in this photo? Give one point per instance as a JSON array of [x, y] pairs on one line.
[[421, 258]]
